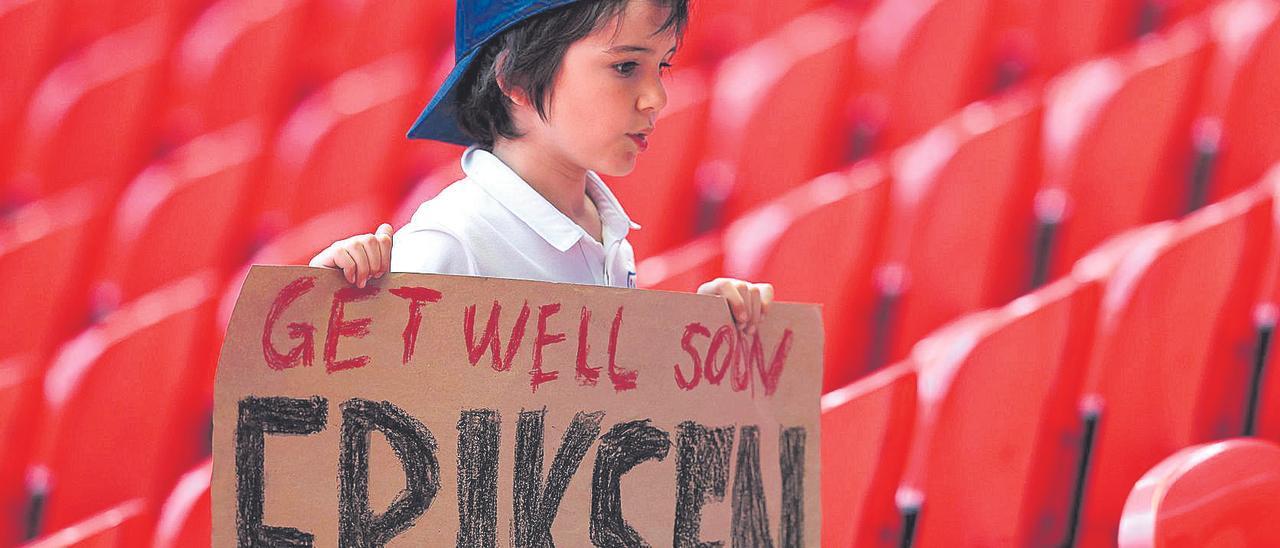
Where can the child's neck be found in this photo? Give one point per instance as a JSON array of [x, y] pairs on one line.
[[561, 183]]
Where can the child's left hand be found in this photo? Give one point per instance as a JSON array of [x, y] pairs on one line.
[[748, 302]]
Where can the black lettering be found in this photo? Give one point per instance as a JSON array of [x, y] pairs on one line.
[[478, 432], [534, 507], [257, 418], [413, 444], [791, 462], [750, 514], [626, 445], [702, 471]]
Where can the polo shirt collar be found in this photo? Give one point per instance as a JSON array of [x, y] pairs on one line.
[[505, 186]]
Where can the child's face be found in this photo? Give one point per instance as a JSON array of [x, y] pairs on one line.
[[607, 94]]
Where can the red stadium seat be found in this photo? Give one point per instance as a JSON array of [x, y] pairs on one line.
[[349, 34], [427, 188], [343, 143], [771, 127], [683, 268], [1266, 418], [181, 216], [41, 245], [1241, 107], [18, 395], [660, 194], [123, 524], [840, 217], [27, 33], [185, 517], [720, 27], [959, 220], [998, 396], [1164, 370], [88, 121], [1102, 128], [1217, 494], [866, 429], [918, 62], [237, 61], [106, 408]]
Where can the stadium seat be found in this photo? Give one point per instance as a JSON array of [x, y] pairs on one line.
[[238, 60], [185, 517], [1164, 372], [27, 33], [18, 395], [998, 392], [659, 194], [683, 268], [43, 297], [181, 216], [770, 127], [107, 408], [1216, 494], [720, 27], [1241, 106], [1101, 128], [349, 34], [1266, 409], [960, 217], [917, 62], [866, 429], [89, 121], [342, 143], [426, 188], [123, 524], [840, 217]]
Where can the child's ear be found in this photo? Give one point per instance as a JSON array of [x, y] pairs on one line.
[[514, 93]]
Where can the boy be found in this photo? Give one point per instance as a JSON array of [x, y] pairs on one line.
[[545, 94]]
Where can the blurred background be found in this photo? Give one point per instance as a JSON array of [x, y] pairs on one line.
[[1042, 232]]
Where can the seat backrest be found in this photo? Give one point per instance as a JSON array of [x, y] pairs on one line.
[[106, 407], [28, 30], [998, 393], [18, 422], [1242, 93], [771, 128], [866, 429], [839, 217], [683, 268], [961, 216], [185, 517], [1216, 494], [123, 524], [1162, 365], [350, 34], [1102, 127]]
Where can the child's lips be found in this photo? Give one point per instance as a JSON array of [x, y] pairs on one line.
[[641, 140]]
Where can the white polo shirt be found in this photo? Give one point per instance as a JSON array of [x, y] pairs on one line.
[[493, 224]]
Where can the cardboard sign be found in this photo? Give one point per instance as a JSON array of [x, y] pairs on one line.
[[428, 410]]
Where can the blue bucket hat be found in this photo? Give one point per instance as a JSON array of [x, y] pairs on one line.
[[478, 22]]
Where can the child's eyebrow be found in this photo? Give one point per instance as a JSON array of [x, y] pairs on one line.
[[627, 48]]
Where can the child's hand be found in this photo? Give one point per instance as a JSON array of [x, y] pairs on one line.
[[360, 257], [748, 302]]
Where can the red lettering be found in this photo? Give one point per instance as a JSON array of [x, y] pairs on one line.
[[622, 379], [418, 298], [491, 340], [741, 379], [543, 339], [686, 342], [771, 376], [725, 333], [304, 352], [338, 327], [587, 376]]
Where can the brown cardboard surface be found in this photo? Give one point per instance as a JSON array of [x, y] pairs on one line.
[[308, 359]]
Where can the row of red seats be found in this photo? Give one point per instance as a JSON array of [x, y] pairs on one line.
[[1008, 192], [1027, 425]]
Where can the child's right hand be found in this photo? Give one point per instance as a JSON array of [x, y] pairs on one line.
[[359, 257]]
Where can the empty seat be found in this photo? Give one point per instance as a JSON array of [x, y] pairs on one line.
[[107, 408], [1164, 371], [181, 216], [771, 127], [960, 217], [683, 268], [660, 194], [1216, 494], [991, 456], [89, 121], [840, 218], [342, 143], [347, 34], [28, 29], [18, 396], [718, 29], [1112, 154], [238, 60], [41, 246], [1241, 107], [866, 429], [123, 524], [185, 517]]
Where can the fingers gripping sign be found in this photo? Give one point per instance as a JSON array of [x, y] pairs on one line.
[[748, 302], [361, 257]]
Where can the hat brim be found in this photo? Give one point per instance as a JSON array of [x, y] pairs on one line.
[[439, 120]]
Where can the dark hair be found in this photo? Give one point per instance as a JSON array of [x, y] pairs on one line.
[[533, 50]]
